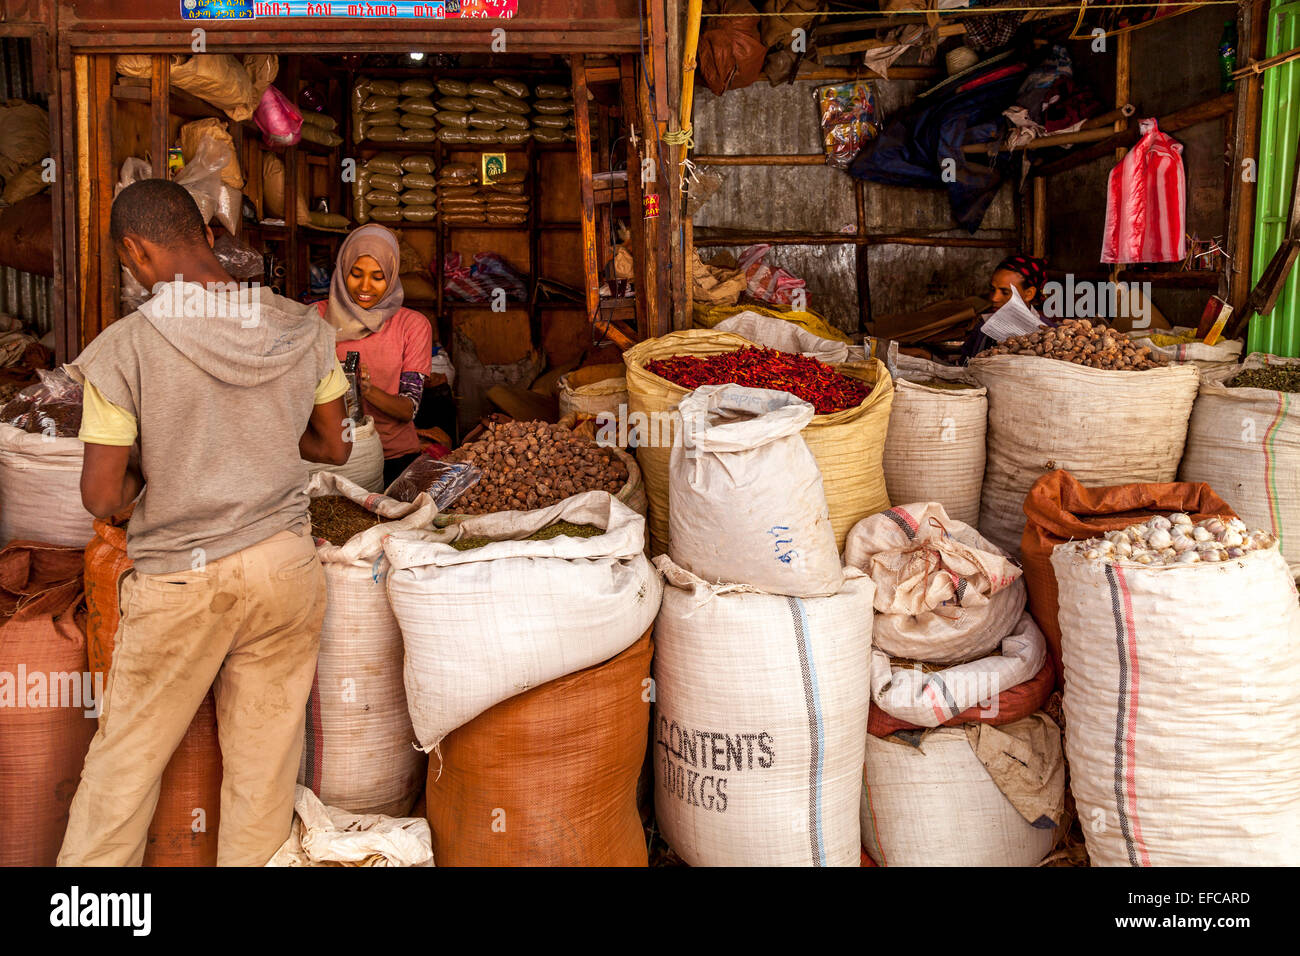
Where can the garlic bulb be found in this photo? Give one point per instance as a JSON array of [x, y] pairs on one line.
[[1159, 539], [1177, 539]]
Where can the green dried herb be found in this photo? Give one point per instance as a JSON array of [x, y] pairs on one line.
[[1277, 378], [338, 519], [565, 528]]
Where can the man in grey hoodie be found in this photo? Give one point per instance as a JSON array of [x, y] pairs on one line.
[[202, 404]]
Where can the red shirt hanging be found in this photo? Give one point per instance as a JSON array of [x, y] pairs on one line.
[[1145, 202]]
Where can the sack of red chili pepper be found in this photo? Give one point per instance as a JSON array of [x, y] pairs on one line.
[[848, 445], [815, 382]]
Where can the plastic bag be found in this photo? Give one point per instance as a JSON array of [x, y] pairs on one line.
[[52, 406], [201, 177], [494, 271], [133, 294], [849, 118], [516, 88], [278, 119], [236, 258], [443, 481]]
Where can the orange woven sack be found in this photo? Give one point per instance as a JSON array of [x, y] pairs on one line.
[[548, 777], [178, 836], [44, 731], [1060, 509]]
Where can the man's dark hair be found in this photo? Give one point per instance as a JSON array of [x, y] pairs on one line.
[[157, 210]]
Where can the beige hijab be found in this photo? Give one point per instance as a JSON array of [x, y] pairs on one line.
[[351, 320]]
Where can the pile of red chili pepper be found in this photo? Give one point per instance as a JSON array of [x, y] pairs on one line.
[[815, 382]]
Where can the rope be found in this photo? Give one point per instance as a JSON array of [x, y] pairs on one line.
[[679, 137]]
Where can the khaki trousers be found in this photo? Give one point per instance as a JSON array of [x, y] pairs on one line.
[[248, 627]]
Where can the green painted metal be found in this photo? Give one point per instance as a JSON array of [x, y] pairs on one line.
[[1278, 332]]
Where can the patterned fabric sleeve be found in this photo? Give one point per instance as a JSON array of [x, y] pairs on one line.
[[411, 384]]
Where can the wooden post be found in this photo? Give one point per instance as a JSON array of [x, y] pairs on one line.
[[1040, 217], [676, 208], [862, 260], [645, 299], [104, 179], [1123, 84], [1245, 146], [159, 114]]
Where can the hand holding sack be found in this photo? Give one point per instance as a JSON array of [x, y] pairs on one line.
[[745, 494]]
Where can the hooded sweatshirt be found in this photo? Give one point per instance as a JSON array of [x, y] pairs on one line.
[[222, 385]]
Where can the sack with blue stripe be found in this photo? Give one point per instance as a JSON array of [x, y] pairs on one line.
[[760, 721]]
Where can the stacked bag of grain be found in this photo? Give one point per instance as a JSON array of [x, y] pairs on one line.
[[462, 200], [320, 128], [394, 188], [1244, 441], [757, 612], [40, 464], [1181, 644], [46, 721], [358, 754], [483, 111], [954, 649], [553, 114], [935, 447], [388, 111], [558, 602]]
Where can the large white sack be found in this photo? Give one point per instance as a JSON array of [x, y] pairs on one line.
[[1181, 706], [784, 336], [937, 805], [483, 625], [40, 490], [943, 593], [760, 722], [934, 450], [359, 753], [1104, 427], [930, 699], [746, 502], [1245, 444], [1180, 345], [365, 464]]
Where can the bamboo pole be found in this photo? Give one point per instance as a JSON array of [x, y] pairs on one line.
[[1046, 142]]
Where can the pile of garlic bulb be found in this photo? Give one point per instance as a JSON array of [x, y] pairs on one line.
[[1176, 540]]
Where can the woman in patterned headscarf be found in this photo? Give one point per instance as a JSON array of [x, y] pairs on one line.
[[1026, 275]]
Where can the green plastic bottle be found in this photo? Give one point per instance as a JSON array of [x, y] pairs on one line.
[[1227, 55]]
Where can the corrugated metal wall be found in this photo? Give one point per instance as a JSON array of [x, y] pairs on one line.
[[763, 120], [23, 294]]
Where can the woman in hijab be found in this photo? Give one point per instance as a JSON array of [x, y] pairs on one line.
[[395, 344]]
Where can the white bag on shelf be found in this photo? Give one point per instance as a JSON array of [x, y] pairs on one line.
[[40, 490]]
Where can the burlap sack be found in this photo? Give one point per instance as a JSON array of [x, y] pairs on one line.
[[848, 445], [192, 778], [536, 781], [1060, 509]]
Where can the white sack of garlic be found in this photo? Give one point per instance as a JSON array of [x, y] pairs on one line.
[[1176, 539]]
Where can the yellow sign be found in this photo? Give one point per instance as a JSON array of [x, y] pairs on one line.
[[494, 164]]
